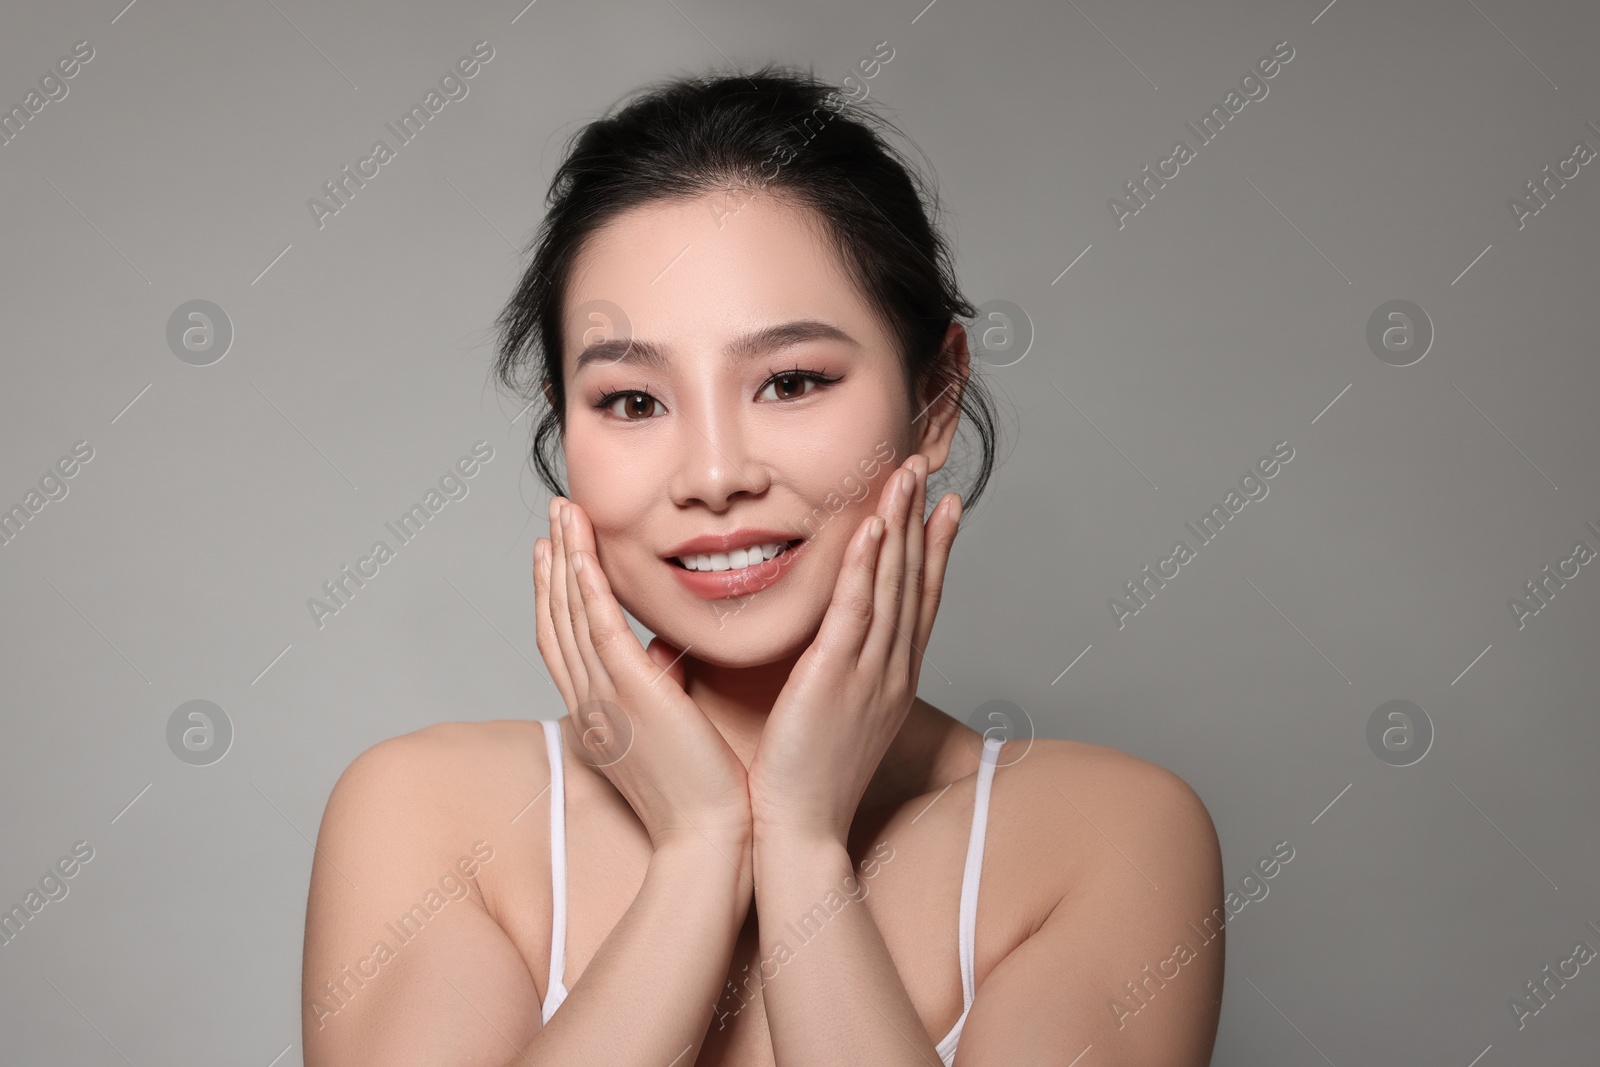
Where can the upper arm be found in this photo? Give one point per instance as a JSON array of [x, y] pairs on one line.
[[1127, 961], [403, 963]]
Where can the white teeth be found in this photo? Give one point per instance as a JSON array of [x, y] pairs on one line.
[[738, 559]]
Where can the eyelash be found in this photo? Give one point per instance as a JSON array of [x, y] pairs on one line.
[[818, 377]]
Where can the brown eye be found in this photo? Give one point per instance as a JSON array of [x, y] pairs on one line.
[[636, 406], [791, 385]]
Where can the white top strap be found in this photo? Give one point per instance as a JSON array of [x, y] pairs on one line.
[[555, 990], [968, 926], [974, 871]]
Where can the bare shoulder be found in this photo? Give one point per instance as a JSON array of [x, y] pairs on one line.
[[1104, 776], [448, 769], [425, 798], [1098, 808], [1128, 932], [414, 837]]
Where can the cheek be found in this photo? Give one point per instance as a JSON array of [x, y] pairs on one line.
[[612, 485], [839, 512], [619, 517]]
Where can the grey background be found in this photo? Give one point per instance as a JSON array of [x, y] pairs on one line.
[[1226, 316]]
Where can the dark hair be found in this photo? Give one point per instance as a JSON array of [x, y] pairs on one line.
[[696, 135]]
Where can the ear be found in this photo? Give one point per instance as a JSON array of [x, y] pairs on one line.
[[935, 431]]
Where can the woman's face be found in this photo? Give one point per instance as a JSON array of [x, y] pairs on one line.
[[721, 434]]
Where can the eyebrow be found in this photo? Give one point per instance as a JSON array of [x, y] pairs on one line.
[[748, 346]]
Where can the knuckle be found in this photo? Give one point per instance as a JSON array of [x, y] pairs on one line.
[[858, 608], [603, 637], [916, 582]]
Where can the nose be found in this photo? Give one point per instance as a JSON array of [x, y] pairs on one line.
[[715, 462]]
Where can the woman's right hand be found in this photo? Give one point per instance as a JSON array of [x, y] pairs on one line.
[[634, 721]]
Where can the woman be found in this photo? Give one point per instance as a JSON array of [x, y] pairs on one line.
[[750, 843]]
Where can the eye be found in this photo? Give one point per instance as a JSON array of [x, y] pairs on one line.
[[639, 406], [792, 381], [638, 403]]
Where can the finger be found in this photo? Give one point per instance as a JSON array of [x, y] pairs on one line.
[[631, 670], [844, 624], [574, 537], [578, 535], [560, 597], [901, 652], [544, 623], [551, 615], [943, 526], [890, 580], [612, 733]]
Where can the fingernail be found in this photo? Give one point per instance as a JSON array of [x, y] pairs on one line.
[[577, 562], [566, 515], [907, 480], [955, 512], [875, 528]]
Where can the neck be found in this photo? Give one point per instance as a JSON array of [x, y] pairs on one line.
[[737, 700]]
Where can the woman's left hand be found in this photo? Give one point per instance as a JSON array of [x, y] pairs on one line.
[[851, 690]]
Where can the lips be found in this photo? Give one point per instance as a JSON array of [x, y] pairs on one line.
[[720, 585], [754, 556], [744, 537]]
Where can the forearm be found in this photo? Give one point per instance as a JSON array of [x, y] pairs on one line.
[[647, 995], [837, 997]]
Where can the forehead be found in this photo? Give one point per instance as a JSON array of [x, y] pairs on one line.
[[706, 269]]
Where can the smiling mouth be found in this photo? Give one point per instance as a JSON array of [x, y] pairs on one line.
[[739, 559]]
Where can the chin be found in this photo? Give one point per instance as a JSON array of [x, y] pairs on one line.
[[735, 633]]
